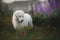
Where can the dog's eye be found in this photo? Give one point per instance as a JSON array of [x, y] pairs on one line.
[[19, 16]]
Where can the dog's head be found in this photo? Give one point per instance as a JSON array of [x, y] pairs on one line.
[[19, 16]]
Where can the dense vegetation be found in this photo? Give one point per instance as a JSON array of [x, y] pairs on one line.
[[43, 24]]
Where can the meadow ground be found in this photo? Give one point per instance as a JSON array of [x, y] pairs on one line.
[[7, 32], [39, 33]]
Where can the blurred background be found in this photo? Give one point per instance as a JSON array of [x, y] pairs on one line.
[[45, 14]]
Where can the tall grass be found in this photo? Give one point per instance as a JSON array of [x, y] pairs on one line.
[[41, 31]]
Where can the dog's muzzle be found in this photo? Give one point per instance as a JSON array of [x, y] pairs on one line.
[[20, 21]]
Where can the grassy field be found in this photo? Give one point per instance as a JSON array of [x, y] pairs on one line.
[[38, 33], [41, 32]]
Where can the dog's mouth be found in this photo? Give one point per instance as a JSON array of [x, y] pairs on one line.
[[20, 21]]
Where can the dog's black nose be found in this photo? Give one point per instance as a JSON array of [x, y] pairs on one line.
[[21, 20]]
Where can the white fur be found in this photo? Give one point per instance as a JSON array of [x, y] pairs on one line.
[[27, 20]]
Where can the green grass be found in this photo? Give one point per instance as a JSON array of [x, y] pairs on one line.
[[39, 33], [7, 32]]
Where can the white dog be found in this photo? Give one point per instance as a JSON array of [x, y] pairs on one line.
[[21, 20]]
